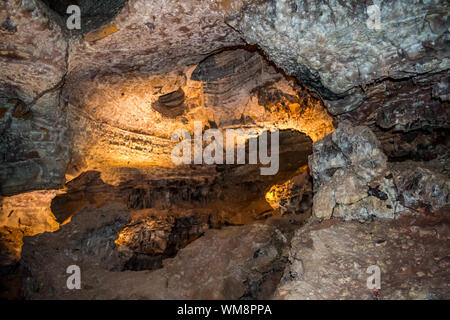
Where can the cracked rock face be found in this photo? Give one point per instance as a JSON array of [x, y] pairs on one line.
[[421, 187], [242, 257], [391, 76], [353, 179], [343, 166], [34, 144], [331, 46]]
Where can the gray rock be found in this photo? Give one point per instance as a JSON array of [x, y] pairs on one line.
[[352, 181], [231, 263], [420, 187], [34, 146], [332, 47]]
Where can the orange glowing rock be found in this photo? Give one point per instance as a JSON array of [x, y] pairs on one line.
[[100, 33], [287, 197]]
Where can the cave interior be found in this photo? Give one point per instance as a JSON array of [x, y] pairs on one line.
[[351, 112]]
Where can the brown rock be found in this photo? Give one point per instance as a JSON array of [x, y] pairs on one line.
[[331, 261]]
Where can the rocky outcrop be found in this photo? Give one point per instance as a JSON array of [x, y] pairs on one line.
[[353, 180], [294, 196], [87, 241], [421, 187], [370, 62], [88, 115], [246, 261], [351, 176], [351, 44], [338, 260]]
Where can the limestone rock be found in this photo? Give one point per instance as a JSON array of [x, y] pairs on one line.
[[10, 245], [421, 187], [241, 257], [291, 196], [163, 235], [348, 146], [345, 49], [167, 35], [331, 260], [87, 241], [26, 214], [351, 176], [324, 202], [354, 147], [33, 54], [97, 107], [349, 187]]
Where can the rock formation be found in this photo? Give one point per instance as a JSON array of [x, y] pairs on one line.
[[331, 261], [353, 179]]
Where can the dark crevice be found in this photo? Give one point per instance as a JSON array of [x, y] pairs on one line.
[[94, 13]]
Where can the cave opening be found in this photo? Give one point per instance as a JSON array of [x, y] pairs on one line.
[[168, 214]]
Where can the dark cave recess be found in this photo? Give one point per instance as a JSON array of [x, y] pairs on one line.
[[94, 13]]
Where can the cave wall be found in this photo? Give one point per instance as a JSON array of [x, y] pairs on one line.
[[35, 146]]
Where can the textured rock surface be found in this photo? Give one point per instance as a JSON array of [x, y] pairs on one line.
[[329, 260], [421, 187], [242, 257], [167, 34], [391, 76], [88, 241], [162, 235], [294, 196], [331, 47], [142, 69], [34, 145], [352, 147], [353, 180], [252, 95], [351, 176], [96, 108], [22, 215]]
